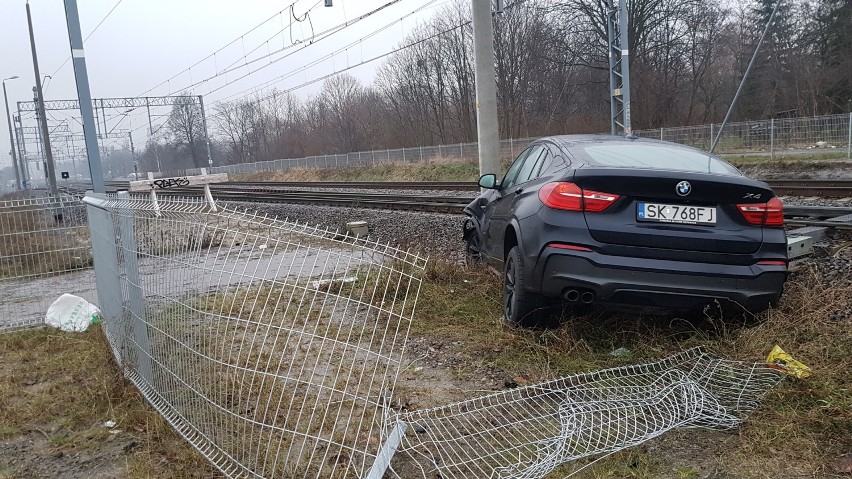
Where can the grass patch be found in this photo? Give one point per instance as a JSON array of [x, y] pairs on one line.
[[785, 160], [56, 392], [443, 169], [801, 426], [454, 169]]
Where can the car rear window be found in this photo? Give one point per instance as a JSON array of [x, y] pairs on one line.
[[656, 157]]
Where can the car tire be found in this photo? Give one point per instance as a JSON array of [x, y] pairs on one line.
[[520, 307]]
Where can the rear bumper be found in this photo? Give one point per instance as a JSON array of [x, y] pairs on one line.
[[648, 282]]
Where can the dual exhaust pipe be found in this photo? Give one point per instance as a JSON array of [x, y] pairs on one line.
[[585, 297]]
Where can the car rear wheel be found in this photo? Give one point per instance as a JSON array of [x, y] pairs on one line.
[[520, 307]]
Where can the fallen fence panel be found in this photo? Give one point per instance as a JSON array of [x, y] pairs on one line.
[[272, 347]]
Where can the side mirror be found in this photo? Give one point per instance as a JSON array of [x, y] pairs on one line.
[[488, 181]]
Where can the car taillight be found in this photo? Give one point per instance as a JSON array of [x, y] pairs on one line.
[[770, 213], [774, 212], [568, 196]]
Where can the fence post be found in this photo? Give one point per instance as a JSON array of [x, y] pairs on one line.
[[661, 133], [421, 153], [403, 155], [772, 138], [135, 297], [107, 274], [849, 140], [461, 151], [710, 143], [511, 149]]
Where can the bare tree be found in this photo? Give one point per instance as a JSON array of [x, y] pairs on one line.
[[186, 129]]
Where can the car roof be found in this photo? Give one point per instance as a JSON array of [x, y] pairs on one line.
[[574, 145], [568, 141]]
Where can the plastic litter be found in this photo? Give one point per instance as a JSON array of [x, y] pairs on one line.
[[72, 313], [782, 361]]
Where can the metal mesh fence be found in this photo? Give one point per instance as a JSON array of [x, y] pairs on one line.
[[273, 347], [775, 137], [529, 432], [44, 252]]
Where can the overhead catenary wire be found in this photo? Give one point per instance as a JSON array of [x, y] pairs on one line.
[[266, 84], [289, 27], [317, 38], [212, 55], [88, 36]]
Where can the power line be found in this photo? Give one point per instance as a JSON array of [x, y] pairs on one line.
[[321, 59], [90, 34], [289, 27], [364, 62], [321, 36], [212, 55]]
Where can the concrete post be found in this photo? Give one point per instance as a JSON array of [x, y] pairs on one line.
[[772, 138], [50, 169], [84, 95], [206, 135], [849, 140], [487, 128]]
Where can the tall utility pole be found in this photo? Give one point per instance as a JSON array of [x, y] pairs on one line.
[[206, 136], [45, 135], [619, 66], [715, 141], [84, 95], [12, 135], [485, 76], [22, 151]]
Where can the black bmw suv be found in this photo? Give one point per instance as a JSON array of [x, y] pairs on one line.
[[611, 220]]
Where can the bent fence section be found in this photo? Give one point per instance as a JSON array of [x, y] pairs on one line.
[[272, 347], [44, 252]]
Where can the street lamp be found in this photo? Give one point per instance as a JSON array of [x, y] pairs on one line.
[[11, 136]]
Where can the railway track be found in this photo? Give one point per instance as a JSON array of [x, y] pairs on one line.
[[307, 193], [820, 188]]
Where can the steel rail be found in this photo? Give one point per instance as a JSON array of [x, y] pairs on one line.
[[795, 215], [839, 188]]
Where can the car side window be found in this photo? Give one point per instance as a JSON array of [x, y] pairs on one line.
[[530, 163], [514, 172], [544, 162], [509, 179]]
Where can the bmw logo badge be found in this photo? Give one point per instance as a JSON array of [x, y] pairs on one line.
[[683, 188]]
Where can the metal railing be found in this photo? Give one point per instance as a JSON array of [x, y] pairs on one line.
[[775, 137], [272, 347], [44, 252]]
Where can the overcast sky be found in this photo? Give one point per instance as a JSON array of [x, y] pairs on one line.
[[143, 43]]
